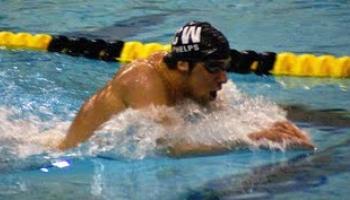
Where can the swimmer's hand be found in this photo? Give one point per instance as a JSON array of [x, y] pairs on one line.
[[284, 132]]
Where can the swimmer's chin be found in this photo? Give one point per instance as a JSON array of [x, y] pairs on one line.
[[206, 99]]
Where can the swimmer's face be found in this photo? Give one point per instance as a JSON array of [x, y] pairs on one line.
[[205, 81]]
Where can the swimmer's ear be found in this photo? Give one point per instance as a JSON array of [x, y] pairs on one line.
[[183, 66]]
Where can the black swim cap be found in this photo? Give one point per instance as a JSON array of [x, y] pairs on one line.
[[196, 41]]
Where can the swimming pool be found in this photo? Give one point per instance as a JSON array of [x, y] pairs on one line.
[[41, 92]]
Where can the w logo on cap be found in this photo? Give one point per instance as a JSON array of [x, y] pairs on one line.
[[188, 34], [197, 40]]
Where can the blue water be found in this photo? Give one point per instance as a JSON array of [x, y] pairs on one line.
[[41, 92]]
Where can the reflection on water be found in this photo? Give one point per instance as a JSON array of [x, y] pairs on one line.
[[302, 173], [123, 29], [332, 118]]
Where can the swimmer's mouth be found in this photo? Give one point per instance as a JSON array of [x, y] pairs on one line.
[[213, 95]]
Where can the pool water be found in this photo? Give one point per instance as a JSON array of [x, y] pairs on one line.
[[41, 93]]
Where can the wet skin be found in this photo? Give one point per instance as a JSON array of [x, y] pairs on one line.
[[150, 82]]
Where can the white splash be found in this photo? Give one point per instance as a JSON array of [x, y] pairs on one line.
[[133, 133], [22, 138]]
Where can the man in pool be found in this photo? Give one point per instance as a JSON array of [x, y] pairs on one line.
[[195, 69]]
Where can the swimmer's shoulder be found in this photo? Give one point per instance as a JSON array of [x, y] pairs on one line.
[[140, 73], [141, 84]]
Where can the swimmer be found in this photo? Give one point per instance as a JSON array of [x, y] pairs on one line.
[[195, 69]]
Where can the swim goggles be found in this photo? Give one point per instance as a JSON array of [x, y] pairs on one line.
[[214, 66]]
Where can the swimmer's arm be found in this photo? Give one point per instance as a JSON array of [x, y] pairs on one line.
[[119, 94], [278, 132], [97, 110], [184, 148]]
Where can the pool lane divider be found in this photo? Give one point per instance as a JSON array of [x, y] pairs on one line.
[[265, 63]]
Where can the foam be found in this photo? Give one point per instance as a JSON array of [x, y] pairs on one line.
[[133, 133], [232, 117]]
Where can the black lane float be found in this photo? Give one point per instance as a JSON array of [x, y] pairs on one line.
[[284, 63]]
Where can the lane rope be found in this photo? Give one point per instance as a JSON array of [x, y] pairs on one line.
[[264, 63]]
